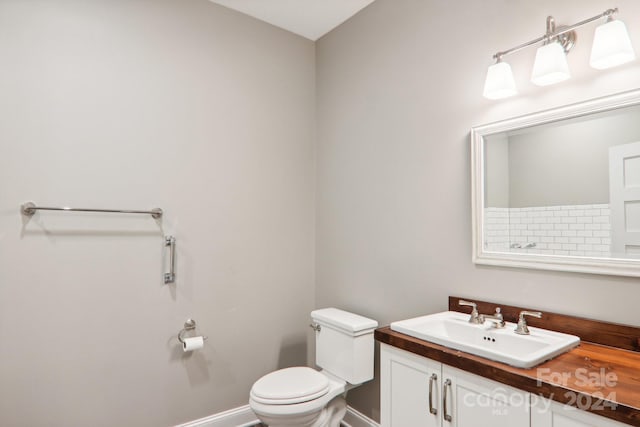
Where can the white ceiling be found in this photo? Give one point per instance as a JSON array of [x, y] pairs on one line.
[[309, 18]]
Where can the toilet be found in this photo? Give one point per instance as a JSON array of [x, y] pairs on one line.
[[305, 397]]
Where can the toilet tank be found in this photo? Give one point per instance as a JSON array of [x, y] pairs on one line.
[[344, 344]]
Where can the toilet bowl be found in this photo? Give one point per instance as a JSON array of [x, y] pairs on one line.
[[299, 396], [304, 397]]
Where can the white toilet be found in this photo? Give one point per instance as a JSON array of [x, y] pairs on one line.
[[304, 397]]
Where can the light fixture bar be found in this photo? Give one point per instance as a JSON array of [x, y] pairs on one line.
[[555, 33]]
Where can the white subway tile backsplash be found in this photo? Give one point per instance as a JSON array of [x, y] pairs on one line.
[[582, 230]]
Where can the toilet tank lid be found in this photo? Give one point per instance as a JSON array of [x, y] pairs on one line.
[[348, 322]]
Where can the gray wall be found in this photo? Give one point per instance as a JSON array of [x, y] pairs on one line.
[[184, 105], [399, 87]]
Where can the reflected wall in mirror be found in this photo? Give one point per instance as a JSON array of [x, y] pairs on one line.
[[560, 189]]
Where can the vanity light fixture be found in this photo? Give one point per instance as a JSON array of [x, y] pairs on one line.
[[611, 47], [551, 65], [499, 83]]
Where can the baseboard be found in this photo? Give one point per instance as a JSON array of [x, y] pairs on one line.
[[237, 417], [354, 418], [244, 417]]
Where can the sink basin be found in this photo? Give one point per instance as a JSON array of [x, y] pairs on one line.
[[452, 329]]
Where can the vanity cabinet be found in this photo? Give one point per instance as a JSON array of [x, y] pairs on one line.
[[547, 413], [416, 391]]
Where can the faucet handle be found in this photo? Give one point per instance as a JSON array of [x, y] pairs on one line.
[[468, 304], [522, 327], [475, 316]]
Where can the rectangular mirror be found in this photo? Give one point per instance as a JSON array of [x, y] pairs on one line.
[[560, 189]]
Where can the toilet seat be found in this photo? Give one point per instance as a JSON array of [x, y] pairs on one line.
[[290, 386], [274, 408]]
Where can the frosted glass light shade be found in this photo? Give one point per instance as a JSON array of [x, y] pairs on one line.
[[550, 65], [611, 46], [499, 82]]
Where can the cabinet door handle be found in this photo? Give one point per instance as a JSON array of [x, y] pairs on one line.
[[447, 385], [432, 380]]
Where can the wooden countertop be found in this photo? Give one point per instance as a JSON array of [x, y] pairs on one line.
[[601, 379]]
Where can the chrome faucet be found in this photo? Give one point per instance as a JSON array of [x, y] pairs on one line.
[[476, 318], [522, 327], [497, 318]]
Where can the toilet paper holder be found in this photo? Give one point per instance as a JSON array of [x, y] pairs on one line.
[[189, 325]]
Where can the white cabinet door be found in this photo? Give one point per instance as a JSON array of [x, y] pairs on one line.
[[410, 389], [419, 392], [547, 413], [473, 401]]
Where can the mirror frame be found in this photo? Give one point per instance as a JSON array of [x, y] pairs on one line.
[[608, 266]]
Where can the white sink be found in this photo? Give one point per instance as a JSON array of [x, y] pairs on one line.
[[452, 329]]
